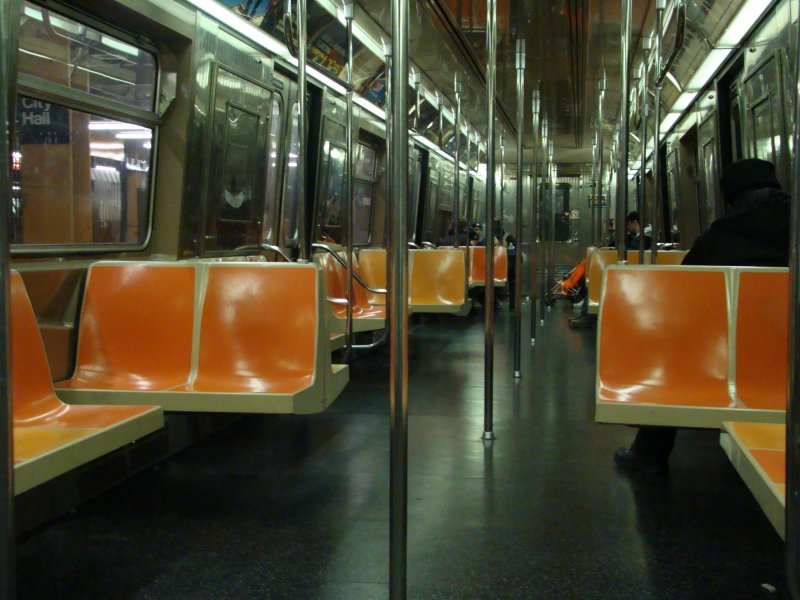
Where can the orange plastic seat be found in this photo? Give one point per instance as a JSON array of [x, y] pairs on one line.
[[366, 317], [256, 343], [136, 327], [598, 261], [437, 281], [758, 452], [477, 266], [371, 266], [53, 437], [664, 348], [257, 351], [662, 342], [762, 326]]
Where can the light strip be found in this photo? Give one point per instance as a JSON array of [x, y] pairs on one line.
[[117, 45], [749, 14], [668, 123], [683, 102], [714, 60], [114, 126], [134, 135]]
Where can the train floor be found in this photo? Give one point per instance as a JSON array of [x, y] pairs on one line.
[[297, 507]]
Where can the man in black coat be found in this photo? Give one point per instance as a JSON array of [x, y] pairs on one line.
[[754, 232]]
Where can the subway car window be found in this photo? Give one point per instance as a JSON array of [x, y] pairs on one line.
[[81, 177], [272, 191], [290, 229], [363, 188], [762, 130], [415, 182], [332, 210], [69, 53]]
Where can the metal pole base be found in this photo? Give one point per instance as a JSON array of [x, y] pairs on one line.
[[533, 342], [488, 436], [541, 322], [517, 375]]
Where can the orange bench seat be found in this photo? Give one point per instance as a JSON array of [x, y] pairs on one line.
[[758, 453], [50, 437], [477, 266], [252, 334], [366, 317], [667, 346]]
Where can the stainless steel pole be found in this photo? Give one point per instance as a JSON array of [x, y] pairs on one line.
[[302, 154], [502, 179], [457, 165], [600, 151], [594, 201], [536, 105], [551, 263], [643, 169], [398, 275], [793, 406], [7, 102], [518, 218], [661, 5], [488, 302], [349, 14], [543, 221], [624, 127]]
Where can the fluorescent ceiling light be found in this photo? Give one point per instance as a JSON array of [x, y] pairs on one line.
[[370, 107], [106, 146], [117, 45], [683, 102], [147, 145], [114, 126], [668, 122], [134, 135], [674, 81], [237, 23], [710, 66], [748, 15], [33, 13]]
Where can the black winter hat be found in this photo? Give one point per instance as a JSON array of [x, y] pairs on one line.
[[747, 175]]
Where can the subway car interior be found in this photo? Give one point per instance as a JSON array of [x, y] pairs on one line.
[[365, 299]]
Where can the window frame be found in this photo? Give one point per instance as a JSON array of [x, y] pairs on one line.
[[42, 89], [371, 182]]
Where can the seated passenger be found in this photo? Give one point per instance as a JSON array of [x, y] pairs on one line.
[[754, 232], [634, 232], [450, 238]]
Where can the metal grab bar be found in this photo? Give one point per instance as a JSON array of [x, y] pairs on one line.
[[680, 38], [413, 245], [343, 262], [270, 247], [428, 245], [289, 34]]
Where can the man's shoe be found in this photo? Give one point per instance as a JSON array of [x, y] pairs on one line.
[[629, 459], [581, 323]]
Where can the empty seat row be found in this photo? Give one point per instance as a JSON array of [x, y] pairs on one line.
[[204, 337], [692, 346], [437, 284], [50, 437]]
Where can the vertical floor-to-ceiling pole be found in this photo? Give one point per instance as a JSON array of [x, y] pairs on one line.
[[551, 213], [488, 302], [661, 5], [518, 218], [600, 151], [7, 101], [793, 406], [398, 276], [642, 207], [302, 105], [536, 106], [457, 166], [543, 203], [624, 125], [349, 14]]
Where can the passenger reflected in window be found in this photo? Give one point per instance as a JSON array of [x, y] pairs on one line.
[[754, 232]]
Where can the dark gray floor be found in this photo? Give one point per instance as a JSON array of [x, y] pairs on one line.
[[290, 507]]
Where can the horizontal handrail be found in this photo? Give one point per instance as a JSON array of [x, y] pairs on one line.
[[414, 246], [343, 262], [428, 245], [263, 246]]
